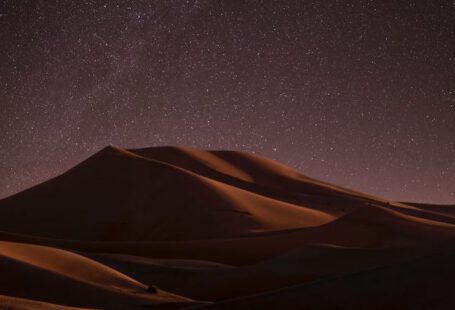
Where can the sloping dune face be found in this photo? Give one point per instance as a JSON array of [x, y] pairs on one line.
[[120, 196], [175, 227], [251, 172]]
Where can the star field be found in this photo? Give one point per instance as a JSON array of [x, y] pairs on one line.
[[357, 93]]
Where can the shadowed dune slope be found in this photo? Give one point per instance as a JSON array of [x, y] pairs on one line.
[[304, 264], [419, 283], [14, 303]]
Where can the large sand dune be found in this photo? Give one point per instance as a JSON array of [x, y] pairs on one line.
[[174, 227]]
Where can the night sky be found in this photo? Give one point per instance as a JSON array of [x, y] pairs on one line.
[[357, 93]]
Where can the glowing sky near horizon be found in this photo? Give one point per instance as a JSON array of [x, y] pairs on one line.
[[357, 93]]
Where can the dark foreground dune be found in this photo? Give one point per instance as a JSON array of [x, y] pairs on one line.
[[176, 228]]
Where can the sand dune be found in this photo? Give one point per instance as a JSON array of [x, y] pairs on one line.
[[215, 229], [59, 276], [120, 197], [439, 209]]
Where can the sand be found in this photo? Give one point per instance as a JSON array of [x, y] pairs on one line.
[[176, 227]]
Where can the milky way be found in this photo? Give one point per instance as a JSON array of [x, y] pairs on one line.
[[357, 93]]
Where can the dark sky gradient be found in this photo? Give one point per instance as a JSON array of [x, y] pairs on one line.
[[358, 93]]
